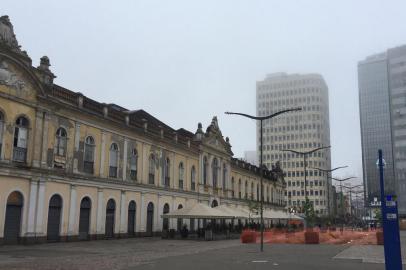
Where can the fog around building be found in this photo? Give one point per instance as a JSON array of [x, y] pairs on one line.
[[185, 61]]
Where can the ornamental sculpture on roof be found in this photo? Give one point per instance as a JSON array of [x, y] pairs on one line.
[[214, 126], [7, 36], [9, 78]]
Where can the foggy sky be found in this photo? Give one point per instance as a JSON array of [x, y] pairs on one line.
[[186, 61]]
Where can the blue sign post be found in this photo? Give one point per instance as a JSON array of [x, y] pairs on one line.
[[391, 237]]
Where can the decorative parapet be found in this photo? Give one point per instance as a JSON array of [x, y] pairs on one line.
[[175, 137]]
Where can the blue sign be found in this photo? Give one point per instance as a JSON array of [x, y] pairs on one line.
[[391, 237]]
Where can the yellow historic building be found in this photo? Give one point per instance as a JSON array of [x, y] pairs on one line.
[[73, 168]]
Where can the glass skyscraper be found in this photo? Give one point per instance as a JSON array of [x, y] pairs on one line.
[[382, 100], [375, 124]]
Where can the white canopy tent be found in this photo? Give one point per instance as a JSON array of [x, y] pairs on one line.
[[236, 212], [203, 211], [293, 216], [199, 210]]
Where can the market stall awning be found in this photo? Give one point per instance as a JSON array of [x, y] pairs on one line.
[[274, 214], [293, 216], [198, 210], [235, 212], [278, 214]]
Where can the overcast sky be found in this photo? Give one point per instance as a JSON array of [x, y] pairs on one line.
[[186, 61]]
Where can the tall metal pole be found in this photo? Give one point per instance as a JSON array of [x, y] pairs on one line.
[[261, 118], [328, 196], [342, 195], [262, 195], [305, 186], [342, 206], [390, 223], [328, 185], [351, 188], [304, 154], [382, 183]]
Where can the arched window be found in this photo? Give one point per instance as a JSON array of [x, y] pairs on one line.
[[88, 161], [113, 160], [181, 175], [60, 142], [131, 221], [205, 167], [151, 175], [110, 218], [193, 178], [150, 218], [257, 192], [165, 221], [133, 164], [232, 187], [179, 220], [215, 167], [54, 218], [167, 181], [1, 130], [239, 188], [224, 176], [13, 217], [267, 194], [20, 140], [84, 218]]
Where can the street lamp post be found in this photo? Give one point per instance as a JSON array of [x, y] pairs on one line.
[[261, 119], [305, 154], [327, 177], [341, 191], [350, 189], [357, 213]]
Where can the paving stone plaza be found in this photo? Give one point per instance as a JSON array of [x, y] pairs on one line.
[[154, 253]]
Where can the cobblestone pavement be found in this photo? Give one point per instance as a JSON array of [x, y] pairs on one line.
[[154, 253], [275, 256], [104, 254], [371, 254]]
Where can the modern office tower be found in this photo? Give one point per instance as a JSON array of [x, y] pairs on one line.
[[300, 131], [382, 97], [397, 101], [375, 124]]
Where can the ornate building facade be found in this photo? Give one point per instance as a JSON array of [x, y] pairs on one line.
[[72, 168]]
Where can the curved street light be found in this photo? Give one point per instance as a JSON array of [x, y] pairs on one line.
[[341, 191], [305, 154], [350, 188], [327, 177], [261, 119]]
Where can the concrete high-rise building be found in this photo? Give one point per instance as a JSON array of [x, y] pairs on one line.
[[382, 97], [300, 131]]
